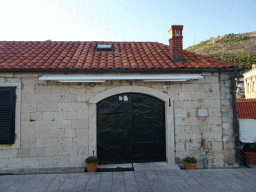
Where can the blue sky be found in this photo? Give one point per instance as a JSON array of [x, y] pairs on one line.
[[123, 20]]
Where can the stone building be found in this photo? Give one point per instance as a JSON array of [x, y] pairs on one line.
[[250, 83], [61, 102]]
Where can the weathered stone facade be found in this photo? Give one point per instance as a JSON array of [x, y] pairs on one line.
[[56, 122]]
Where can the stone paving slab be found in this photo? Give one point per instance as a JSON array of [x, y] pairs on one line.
[[237, 179]]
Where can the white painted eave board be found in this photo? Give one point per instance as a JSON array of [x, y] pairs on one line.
[[103, 78]]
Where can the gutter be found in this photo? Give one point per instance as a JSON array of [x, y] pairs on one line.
[[119, 70], [235, 120]]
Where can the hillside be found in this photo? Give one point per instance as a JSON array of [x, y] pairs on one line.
[[237, 48]]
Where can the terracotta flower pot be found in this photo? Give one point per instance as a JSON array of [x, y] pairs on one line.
[[250, 157], [190, 166], [91, 167]]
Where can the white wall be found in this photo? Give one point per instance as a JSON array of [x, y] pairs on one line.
[[247, 130]]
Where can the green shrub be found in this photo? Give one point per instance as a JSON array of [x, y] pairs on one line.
[[190, 160], [243, 96], [91, 159]]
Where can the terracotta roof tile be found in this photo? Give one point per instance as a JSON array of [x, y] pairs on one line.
[[246, 108], [81, 55]]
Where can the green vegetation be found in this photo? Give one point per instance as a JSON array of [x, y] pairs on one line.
[[229, 38], [245, 61], [194, 47], [190, 160]]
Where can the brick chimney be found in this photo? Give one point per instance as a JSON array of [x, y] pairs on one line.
[[175, 43]]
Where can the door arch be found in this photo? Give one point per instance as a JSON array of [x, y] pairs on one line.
[[169, 118], [130, 128]]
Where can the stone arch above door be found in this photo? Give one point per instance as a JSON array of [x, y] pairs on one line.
[[169, 118]]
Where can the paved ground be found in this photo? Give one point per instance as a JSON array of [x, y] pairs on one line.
[[237, 179]]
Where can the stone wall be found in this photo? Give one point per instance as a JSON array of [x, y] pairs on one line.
[[54, 120]]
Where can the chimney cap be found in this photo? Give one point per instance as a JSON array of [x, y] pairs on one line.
[[176, 27]]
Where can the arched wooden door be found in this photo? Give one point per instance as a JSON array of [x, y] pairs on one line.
[[130, 128]]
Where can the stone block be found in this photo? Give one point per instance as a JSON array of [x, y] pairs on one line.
[[28, 142], [71, 115], [82, 115], [53, 98], [29, 81], [79, 123], [61, 161], [80, 141], [4, 163], [53, 124], [42, 89], [57, 132], [77, 89], [47, 142], [180, 121], [70, 150], [211, 95], [8, 153], [70, 98], [77, 161], [30, 98], [65, 107], [46, 107], [217, 145], [188, 96], [60, 89], [225, 90], [81, 132], [217, 129], [225, 102], [202, 112], [191, 87], [63, 141], [70, 132], [41, 125], [27, 125], [15, 163], [82, 98], [45, 161], [37, 152], [82, 150], [180, 112], [214, 103], [53, 151], [215, 112], [28, 89], [39, 133], [80, 107], [229, 145], [31, 162], [37, 116], [7, 74], [25, 116], [211, 79], [218, 163], [23, 152], [13, 80], [28, 107]]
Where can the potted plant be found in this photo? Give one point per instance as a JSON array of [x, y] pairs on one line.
[[91, 163], [250, 153], [190, 163]]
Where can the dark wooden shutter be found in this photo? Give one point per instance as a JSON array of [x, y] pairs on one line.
[[7, 115]]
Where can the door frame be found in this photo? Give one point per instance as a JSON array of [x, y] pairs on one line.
[[169, 116]]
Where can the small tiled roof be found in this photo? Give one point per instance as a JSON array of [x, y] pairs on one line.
[[81, 55], [246, 108]]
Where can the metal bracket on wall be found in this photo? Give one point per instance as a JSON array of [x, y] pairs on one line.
[[170, 102]]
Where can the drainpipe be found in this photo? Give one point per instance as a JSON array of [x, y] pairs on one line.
[[235, 120]]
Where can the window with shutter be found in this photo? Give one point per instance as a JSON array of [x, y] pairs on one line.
[[7, 115]]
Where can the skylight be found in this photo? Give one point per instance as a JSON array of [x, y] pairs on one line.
[[104, 47]]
